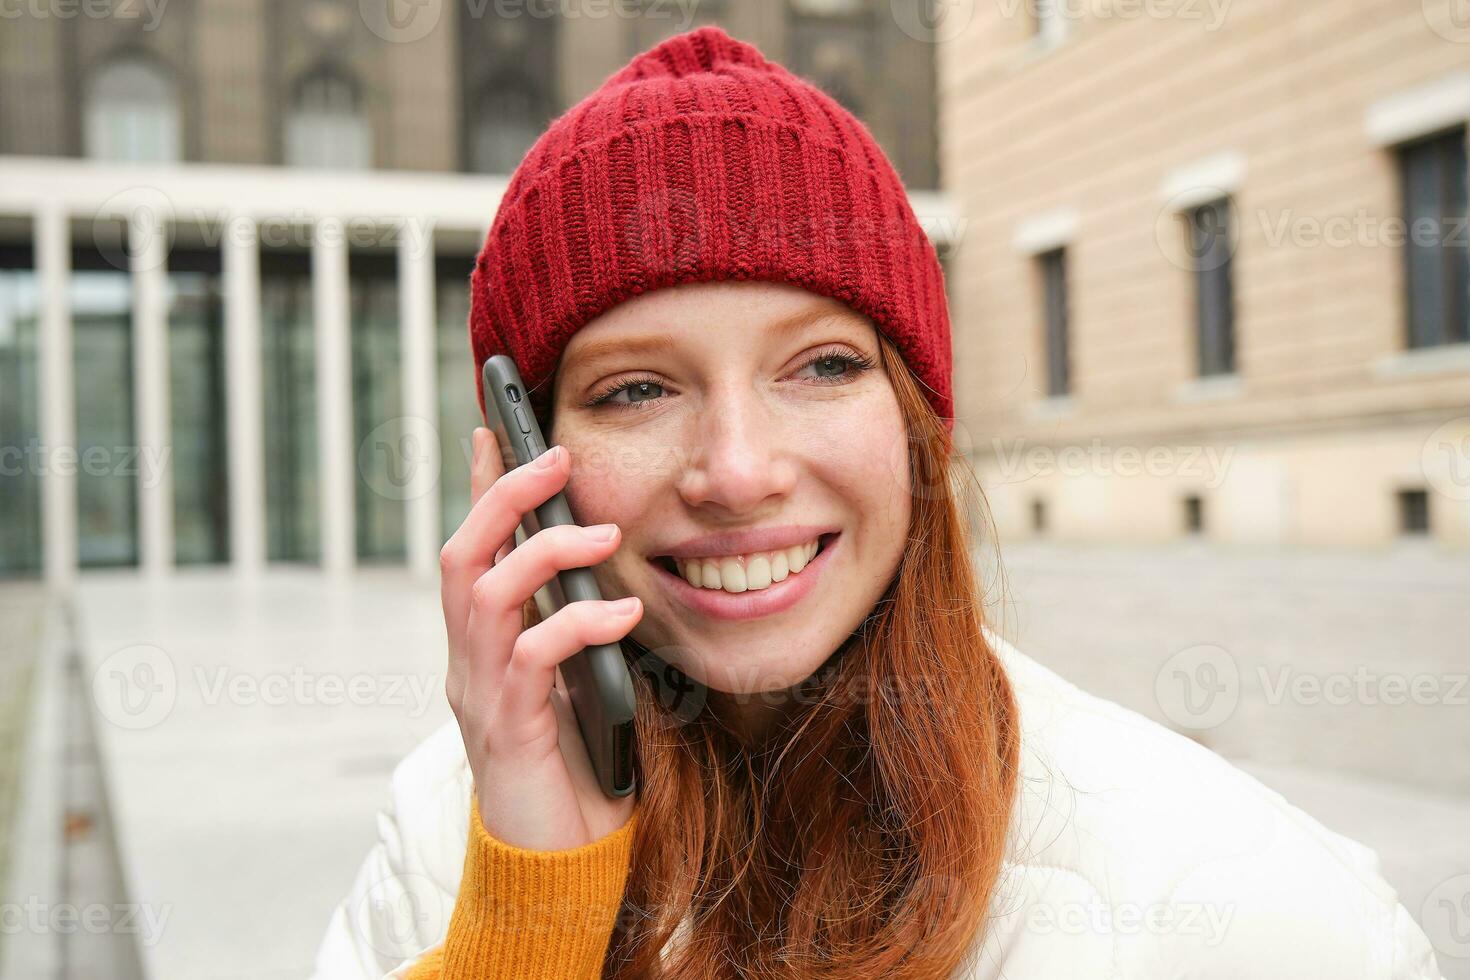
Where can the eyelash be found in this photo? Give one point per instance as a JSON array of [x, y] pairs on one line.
[[856, 364]]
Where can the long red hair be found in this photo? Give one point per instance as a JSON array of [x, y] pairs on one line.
[[864, 840]]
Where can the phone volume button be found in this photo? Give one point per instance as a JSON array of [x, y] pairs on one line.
[[522, 421]]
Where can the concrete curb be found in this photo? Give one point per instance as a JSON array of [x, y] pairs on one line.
[[38, 865]]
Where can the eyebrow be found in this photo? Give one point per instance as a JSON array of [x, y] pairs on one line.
[[662, 343]]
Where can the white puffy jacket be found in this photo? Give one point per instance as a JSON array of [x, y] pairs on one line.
[[1135, 853]]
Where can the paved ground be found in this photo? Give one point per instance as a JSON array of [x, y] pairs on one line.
[[21, 609], [1350, 662], [247, 734], [1302, 654]]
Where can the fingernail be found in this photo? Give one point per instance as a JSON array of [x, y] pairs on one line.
[[548, 459], [601, 532], [625, 607]]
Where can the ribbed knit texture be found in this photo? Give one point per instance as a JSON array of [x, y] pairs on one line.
[[700, 160], [532, 915]]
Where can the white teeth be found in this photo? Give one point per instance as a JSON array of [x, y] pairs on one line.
[[732, 575], [758, 572], [746, 573], [796, 557]]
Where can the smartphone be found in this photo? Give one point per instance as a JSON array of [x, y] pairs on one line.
[[597, 678]]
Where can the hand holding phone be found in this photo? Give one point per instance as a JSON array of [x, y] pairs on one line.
[[535, 782]]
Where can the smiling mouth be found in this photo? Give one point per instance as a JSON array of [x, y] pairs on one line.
[[753, 572]]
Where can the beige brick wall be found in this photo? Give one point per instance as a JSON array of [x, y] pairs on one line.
[[1321, 426]]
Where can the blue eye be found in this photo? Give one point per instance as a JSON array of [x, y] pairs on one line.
[[837, 366], [833, 366], [640, 390]]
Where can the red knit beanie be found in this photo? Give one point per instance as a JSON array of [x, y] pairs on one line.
[[699, 161]]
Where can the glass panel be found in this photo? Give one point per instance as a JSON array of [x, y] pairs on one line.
[[132, 113], [110, 464], [459, 412], [326, 126], [20, 428], [196, 355], [1054, 275], [377, 401], [289, 372]]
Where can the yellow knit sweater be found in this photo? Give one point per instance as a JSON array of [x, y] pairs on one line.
[[532, 915]]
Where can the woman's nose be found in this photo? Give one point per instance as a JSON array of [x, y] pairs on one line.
[[741, 461]]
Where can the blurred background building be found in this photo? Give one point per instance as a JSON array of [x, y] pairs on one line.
[[1213, 275], [236, 235]]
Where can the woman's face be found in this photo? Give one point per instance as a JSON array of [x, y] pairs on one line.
[[728, 428]]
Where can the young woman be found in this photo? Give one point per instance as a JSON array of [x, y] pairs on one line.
[[735, 333]]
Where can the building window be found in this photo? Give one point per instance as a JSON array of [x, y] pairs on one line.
[[1432, 177], [377, 399], [132, 113], [834, 45], [459, 411], [20, 423], [1054, 303], [509, 116], [1413, 512], [199, 436], [288, 369], [1194, 515], [326, 127], [1211, 246]]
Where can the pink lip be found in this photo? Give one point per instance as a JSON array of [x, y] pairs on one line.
[[775, 598]]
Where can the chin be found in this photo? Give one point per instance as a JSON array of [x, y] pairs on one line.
[[755, 662]]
